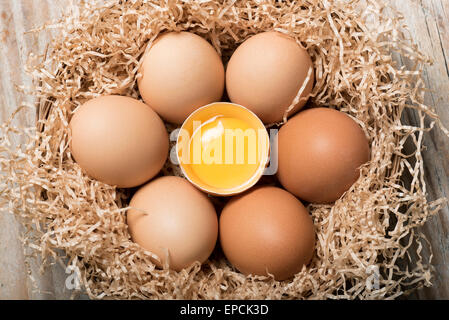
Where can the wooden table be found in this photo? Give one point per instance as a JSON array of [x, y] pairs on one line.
[[428, 21]]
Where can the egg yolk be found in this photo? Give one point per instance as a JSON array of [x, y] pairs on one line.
[[224, 152]]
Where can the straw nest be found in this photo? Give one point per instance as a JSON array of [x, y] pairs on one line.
[[98, 51]]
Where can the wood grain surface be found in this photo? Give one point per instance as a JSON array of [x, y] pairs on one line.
[[428, 21]]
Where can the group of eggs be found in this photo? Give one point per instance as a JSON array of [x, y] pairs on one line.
[[265, 230]]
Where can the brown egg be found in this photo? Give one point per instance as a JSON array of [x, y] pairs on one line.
[[320, 152], [180, 73], [267, 230], [118, 140], [171, 217], [265, 74]]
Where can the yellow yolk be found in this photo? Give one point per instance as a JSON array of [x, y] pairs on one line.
[[224, 152]]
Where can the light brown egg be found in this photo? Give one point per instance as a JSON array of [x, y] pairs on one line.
[[320, 152], [265, 74], [170, 217], [267, 230], [180, 73], [118, 140]]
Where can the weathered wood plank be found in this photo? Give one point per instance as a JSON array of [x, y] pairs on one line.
[[428, 22], [17, 17]]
